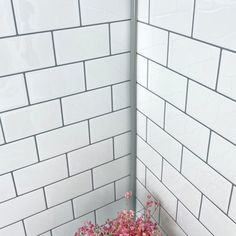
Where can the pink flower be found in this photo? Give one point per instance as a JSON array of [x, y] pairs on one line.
[[128, 195]]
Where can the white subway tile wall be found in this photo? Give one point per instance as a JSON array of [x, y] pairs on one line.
[[64, 78], [186, 114]]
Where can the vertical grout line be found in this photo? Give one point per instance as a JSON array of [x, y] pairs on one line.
[[218, 70], [200, 208], [73, 209], [26, 88], [147, 73], [230, 198], [92, 179], [162, 165], [89, 133], [109, 32], [14, 16], [80, 16], [36, 146], [164, 118], [208, 147], [115, 199], [193, 18], [14, 183], [145, 180], [54, 50], [95, 217], [62, 116], [85, 80], [112, 105], [177, 208], [186, 97], [181, 158], [23, 223], [3, 134], [113, 147], [133, 118], [67, 165], [45, 199], [146, 134], [167, 53], [149, 11]]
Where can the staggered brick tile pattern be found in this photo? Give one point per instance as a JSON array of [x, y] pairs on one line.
[[186, 114], [64, 114]]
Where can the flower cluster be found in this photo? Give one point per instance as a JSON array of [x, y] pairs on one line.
[[126, 224]]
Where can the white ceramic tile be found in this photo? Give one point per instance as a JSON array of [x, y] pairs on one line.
[[141, 125], [17, 154], [110, 211], [62, 140], [160, 192], [122, 145], [200, 65], [121, 95], [122, 186], [93, 200], [203, 104], [86, 105], [69, 188], [7, 189], [143, 9], [232, 209], [169, 225], [120, 37], [16, 229], [25, 53], [188, 131], [49, 171], [146, 101], [6, 18], [109, 125], [164, 144], [152, 43], [222, 157], [208, 181], [167, 84], [149, 157], [214, 22], [36, 15], [89, 157], [31, 120], [183, 189], [55, 82], [215, 220], [142, 70], [189, 223], [173, 15], [21, 207], [71, 227], [48, 219], [104, 11], [12, 92], [227, 82], [114, 170], [106, 71], [81, 43]]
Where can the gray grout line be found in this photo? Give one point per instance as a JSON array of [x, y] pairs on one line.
[[218, 70], [200, 208], [181, 160], [113, 148], [89, 132], [193, 18], [95, 217], [37, 151], [85, 77], [45, 199], [65, 64], [14, 184], [67, 165], [115, 199], [80, 13], [147, 73], [146, 133], [62, 116], [14, 17], [230, 198], [168, 47], [112, 102], [208, 147], [186, 97], [149, 11], [3, 134], [109, 32], [164, 118], [23, 223], [26, 89], [177, 208], [54, 49], [92, 179]]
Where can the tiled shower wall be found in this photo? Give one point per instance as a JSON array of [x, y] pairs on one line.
[[186, 113], [64, 113]]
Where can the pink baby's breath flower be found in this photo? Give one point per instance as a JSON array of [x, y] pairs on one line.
[[128, 195]]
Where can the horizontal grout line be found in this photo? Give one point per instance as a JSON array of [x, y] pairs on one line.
[[188, 179], [61, 29], [65, 64], [189, 37], [234, 100]]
